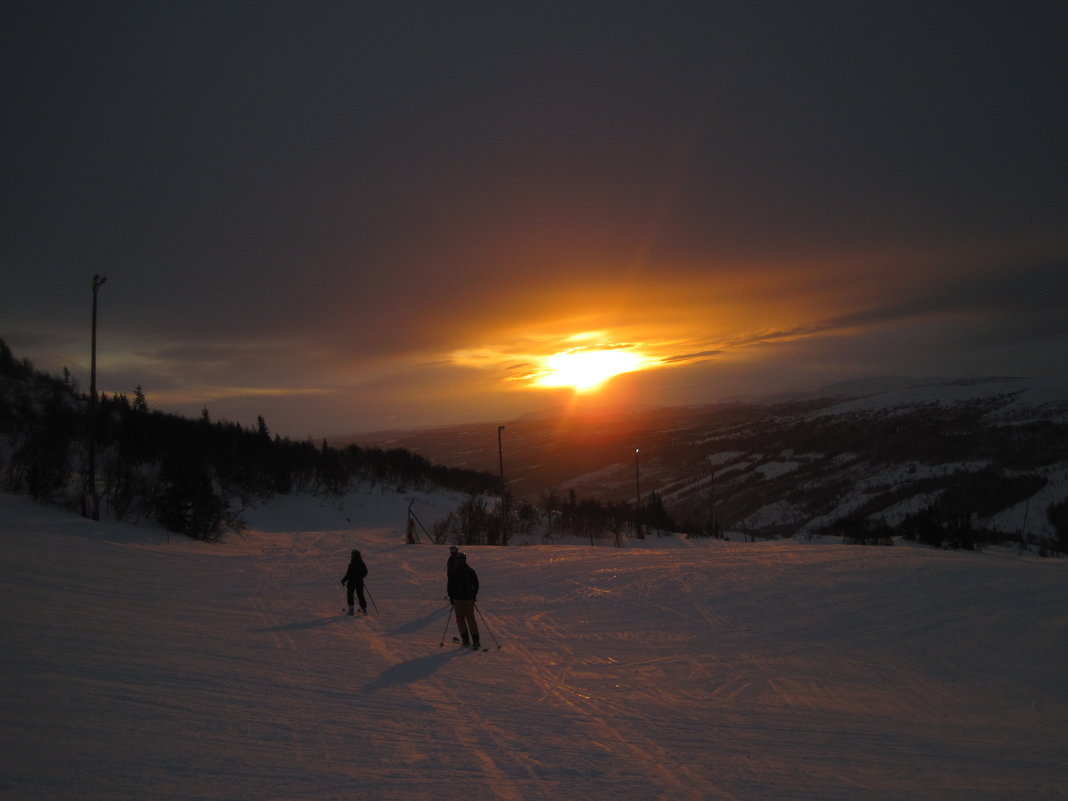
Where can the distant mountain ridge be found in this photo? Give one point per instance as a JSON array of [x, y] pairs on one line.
[[989, 452]]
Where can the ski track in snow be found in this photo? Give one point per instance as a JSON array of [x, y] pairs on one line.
[[137, 668]]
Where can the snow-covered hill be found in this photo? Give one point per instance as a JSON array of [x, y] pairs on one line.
[[846, 457], [137, 666]]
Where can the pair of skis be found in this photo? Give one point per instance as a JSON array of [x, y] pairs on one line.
[[458, 641]]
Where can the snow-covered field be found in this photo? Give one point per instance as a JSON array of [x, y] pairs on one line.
[[137, 667]]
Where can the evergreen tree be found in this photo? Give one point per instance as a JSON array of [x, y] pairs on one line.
[[1058, 516], [140, 405]]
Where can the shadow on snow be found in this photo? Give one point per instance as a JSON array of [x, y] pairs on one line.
[[411, 671]]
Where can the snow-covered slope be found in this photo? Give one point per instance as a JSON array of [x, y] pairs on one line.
[[842, 458], [135, 667]]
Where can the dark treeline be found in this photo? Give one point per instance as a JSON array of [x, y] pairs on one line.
[[193, 476], [477, 522]]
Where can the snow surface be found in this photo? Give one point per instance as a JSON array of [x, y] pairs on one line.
[[777, 469], [141, 666]]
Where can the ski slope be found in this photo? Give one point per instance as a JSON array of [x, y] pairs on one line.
[[140, 667]]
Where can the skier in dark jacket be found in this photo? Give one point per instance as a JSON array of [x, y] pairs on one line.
[[463, 592], [353, 581]]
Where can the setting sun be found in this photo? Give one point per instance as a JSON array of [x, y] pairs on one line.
[[584, 370]]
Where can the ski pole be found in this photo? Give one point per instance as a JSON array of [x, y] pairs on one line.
[[371, 598], [487, 626], [448, 617]]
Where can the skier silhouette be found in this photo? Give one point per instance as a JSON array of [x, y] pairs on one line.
[[353, 581], [463, 591]]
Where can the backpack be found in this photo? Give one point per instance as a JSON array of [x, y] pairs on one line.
[[463, 583]]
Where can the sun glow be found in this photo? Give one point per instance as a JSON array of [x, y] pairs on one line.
[[586, 369]]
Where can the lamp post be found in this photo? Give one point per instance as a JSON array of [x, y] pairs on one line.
[[500, 452], [504, 489], [637, 496], [93, 502], [712, 500]]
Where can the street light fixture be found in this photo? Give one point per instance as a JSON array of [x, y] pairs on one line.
[[93, 502]]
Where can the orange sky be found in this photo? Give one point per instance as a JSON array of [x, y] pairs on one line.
[[408, 213]]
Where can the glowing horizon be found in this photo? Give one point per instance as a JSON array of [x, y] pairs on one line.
[[586, 369]]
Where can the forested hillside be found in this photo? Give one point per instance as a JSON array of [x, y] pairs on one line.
[[196, 477]]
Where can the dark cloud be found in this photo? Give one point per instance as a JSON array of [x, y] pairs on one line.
[[313, 190], [689, 357], [1037, 291]]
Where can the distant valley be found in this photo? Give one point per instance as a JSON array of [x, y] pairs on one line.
[[846, 459]]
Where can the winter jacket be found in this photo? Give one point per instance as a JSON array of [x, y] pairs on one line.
[[356, 573], [463, 583]]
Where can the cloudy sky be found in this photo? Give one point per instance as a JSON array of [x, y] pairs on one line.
[[348, 216]]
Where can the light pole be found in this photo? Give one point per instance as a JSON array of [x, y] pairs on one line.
[[500, 452], [504, 490], [93, 502], [712, 500], [638, 496]]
